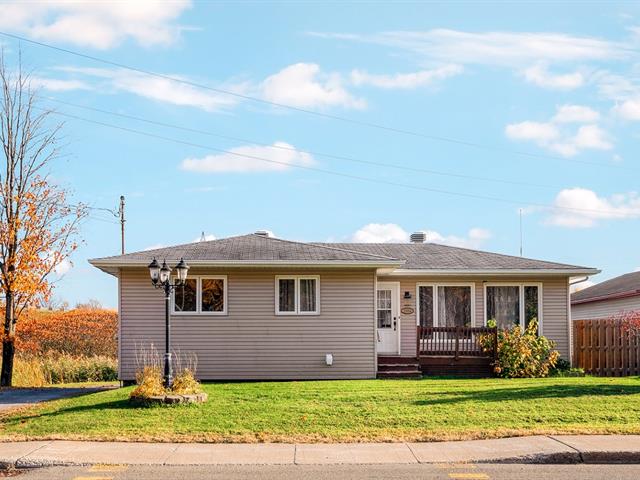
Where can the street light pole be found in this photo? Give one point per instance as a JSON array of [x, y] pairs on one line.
[[161, 278]]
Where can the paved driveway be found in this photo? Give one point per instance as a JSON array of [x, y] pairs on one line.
[[20, 397]]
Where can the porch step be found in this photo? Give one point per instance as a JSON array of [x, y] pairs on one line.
[[398, 367], [407, 367], [400, 374]]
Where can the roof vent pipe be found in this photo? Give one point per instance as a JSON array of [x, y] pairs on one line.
[[418, 237], [263, 233]]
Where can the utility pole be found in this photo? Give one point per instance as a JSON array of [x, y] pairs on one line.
[[122, 220]]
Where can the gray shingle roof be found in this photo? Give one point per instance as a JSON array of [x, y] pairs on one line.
[[624, 284], [431, 256], [249, 248], [258, 249]]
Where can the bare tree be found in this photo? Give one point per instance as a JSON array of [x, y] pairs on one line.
[[37, 224]]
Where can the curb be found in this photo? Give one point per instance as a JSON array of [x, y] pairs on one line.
[[605, 458]]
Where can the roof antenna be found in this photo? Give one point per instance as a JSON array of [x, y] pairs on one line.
[[520, 213], [203, 237]]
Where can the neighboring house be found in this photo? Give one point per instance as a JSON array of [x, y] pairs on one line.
[[257, 307], [605, 299]]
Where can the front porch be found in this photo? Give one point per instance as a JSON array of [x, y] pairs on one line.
[[443, 351]]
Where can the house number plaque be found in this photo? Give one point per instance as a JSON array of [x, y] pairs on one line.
[[407, 310]]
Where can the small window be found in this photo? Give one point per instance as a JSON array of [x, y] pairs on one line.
[[185, 297], [503, 305], [212, 297], [425, 300], [442, 305], [297, 295], [308, 295], [201, 295], [511, 305], [384, 308], [454, 306], [287, 295]]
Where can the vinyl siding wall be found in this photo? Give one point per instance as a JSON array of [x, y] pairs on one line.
[[554, 306], [251, 342], [604, 308]]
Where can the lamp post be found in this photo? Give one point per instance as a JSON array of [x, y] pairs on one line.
[[161, 278]]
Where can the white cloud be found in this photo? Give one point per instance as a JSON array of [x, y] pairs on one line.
[[57, 85], [555, 135], [99, 25], [158, 89], [637, 269], [305, 85], [535, 131], [575, 114], [494, 48], [278, 157], [381, 233], [539, 75], [474, 239], [63, 267], [406, 80], [583, 208], [393, 233], [581, 286], [629, 109]]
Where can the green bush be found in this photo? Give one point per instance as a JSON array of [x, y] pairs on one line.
[[563, 368], [33, 371], [521, 354]]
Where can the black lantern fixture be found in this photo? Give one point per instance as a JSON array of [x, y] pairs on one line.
[[161, 278]]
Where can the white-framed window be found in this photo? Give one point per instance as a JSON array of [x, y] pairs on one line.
[[512, 303], [445, 304], [201, 295], [297, 295]]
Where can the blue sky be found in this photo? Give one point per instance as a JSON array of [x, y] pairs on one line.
[[536, 105]]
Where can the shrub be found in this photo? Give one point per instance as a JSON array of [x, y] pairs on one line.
[[149, 383], [185, 383], [521, 354], [81, 332], [31, 371]]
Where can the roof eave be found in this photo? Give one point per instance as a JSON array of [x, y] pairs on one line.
[[611, 296], [494, 272], [112, 266]]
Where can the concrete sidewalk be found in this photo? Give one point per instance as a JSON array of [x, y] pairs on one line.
[[535, 449]]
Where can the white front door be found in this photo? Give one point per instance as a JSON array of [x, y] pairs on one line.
[[388, 317]]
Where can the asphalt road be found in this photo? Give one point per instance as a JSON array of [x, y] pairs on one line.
[[333, 472]]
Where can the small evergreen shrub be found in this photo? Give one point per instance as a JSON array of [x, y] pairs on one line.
[[521, 354]]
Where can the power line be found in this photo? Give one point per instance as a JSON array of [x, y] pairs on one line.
[[334, 173], [293, 149], [300, 109]]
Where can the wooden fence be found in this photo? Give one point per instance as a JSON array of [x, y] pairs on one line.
[[603, 347]]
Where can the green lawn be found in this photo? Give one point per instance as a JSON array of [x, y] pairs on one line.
[[378, 410]]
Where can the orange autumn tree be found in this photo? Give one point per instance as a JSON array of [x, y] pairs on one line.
[[37, 225]]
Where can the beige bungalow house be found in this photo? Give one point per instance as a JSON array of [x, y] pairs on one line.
[[257, 307]]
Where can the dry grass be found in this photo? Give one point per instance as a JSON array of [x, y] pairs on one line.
[[347, 411]]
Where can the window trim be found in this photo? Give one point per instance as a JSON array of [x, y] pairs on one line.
[[296, 295], [521, 286], [198, 311], [435, 285]]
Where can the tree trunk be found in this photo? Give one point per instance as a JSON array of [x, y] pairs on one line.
[[8, 345]]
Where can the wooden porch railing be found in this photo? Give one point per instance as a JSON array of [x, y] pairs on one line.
[[454, 341]]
